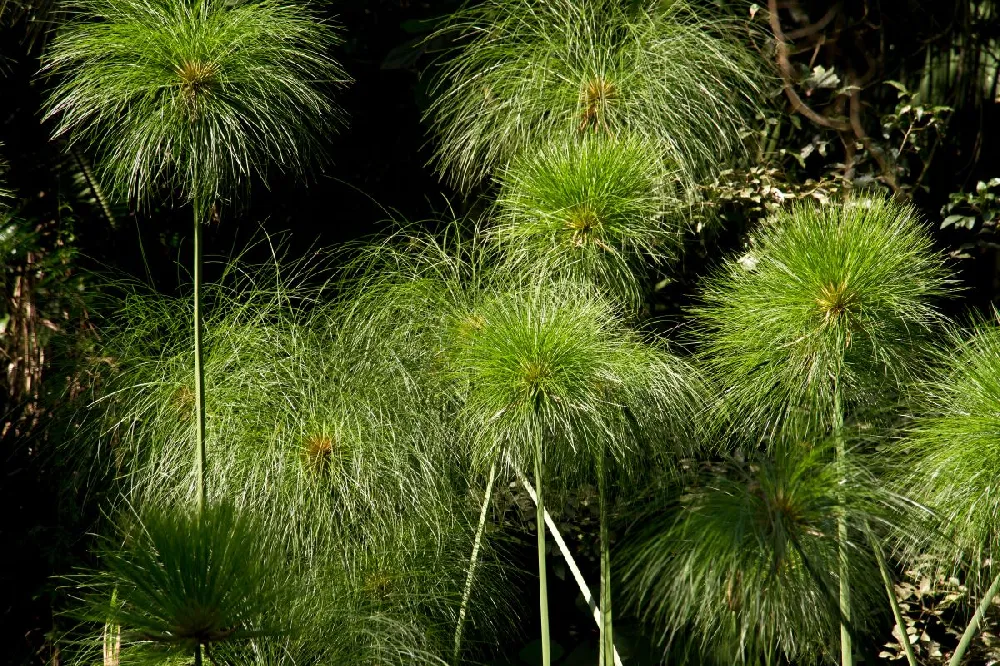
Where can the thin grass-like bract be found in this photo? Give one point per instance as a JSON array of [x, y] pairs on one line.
[[527, 72], [599, 209], [744, 560]]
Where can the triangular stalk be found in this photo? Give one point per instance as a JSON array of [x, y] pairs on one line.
[[911, 658], [473, 561], [970, 631], [846, 646], [199, 370], [607, 649], [543, 594], [588, 596]]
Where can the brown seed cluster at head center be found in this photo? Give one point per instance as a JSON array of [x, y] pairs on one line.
[[835, 301], [182, 399], [196, 77], [595, 96], [534, 377], [583, 222], [469, 325], [317, 453]]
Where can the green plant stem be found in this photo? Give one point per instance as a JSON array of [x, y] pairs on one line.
[[970, 631], [911, 658], [846, 647], [197, 654], [199, 371], [543, 594], [588, 596], [607, 649], [473, 560]]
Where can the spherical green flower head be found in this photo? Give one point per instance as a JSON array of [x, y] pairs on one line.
[[554, 362], [199, 95], [528, 70], [181, 578], [949, 462], [747, 559], [301, 404], [828, 299], [595, 209]]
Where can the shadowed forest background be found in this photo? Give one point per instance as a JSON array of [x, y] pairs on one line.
[[899, 97]]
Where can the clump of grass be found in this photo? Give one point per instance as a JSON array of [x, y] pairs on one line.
[[553, 380], [321, 432], [827, 301], [556, 362], [947, 460], [597, 209], [182, 580], [526, 72], [747, 557], [197, 96]]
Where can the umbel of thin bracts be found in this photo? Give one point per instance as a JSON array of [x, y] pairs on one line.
[[315, 430], [948, 460], [826, 300], [556, 360], [199, 95], [182, 581], [747, 556], [527, 71], [597, 208], [300, 404]]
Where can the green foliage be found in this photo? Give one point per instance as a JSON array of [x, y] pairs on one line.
[[319, 432], [199, 95], [747, 557], [827, 299], [527, 72], [749, 195], [975, 212], [182, 579], [596, 209], [555, 362], [913, 129], [947, 460]]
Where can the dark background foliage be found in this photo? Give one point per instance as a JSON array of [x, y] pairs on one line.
[[898, 94]]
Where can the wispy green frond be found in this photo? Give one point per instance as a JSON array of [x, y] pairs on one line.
[[298, 405], [826, 297], [181, 579], [325, 435], [555, 361], [746, 558], [200, 96], [597, 208], [526, 71], [949, 460], [401, 290]]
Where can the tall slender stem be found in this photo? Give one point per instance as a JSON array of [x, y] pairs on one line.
[[911, 658], [199, 371], [473, 561], [607, 650], [543, 593], [574, 569], [846, 647], [970, 631], [197, 654]]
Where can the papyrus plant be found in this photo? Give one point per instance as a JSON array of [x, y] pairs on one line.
[[555, 381], [192, 97], [820, 322], [947, 463], [598, 208], [526, 72]]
